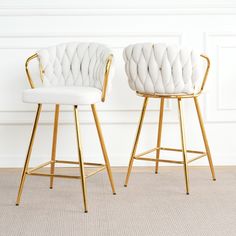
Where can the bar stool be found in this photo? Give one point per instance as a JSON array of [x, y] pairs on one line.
[[166, 72], [72, 74]]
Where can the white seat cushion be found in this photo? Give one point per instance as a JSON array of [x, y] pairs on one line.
[[63, 95]]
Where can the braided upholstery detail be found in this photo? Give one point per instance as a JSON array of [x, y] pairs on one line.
[[74, 64], [161, 69]]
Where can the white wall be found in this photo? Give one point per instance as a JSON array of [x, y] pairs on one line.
[[29, 25]]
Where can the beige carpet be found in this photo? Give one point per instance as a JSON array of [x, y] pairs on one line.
[[151, 205]]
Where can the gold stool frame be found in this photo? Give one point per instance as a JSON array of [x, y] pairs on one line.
[[158, 147], [81, 163]]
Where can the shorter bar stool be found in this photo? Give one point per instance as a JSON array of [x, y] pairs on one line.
[[166, 72], [72, 74]]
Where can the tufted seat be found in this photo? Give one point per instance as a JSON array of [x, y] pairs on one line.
[[63, 95]]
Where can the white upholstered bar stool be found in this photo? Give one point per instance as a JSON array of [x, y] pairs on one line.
[[72, 74], [166, 72]]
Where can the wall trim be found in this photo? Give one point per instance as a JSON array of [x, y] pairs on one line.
[[27, 11], [218, 108], [88, 34]]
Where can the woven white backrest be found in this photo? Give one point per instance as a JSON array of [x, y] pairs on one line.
[[74, 64], [161, 68]]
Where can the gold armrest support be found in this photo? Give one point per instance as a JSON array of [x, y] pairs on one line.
[[27, 70], [206, 74], [106, 75]]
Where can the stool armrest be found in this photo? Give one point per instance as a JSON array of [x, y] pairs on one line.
[[106, 76], [206, 73], [28, 72]]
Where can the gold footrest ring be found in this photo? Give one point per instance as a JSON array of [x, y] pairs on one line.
[[141, 156], [32, 171]]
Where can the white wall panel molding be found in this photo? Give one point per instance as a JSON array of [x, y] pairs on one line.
[[221, 98], [111, 8], [115, 12], [110, 117]]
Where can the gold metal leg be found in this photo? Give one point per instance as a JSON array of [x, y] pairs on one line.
[[159, 133], [204, 137], [54, 144], [183, 140], [28, 154], [104, 151], [81, 163], [136, 140]]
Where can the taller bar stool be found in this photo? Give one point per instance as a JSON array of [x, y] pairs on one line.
[[166, 72], [72, 74]]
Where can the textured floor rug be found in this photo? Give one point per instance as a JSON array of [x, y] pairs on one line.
[[150, 205]]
